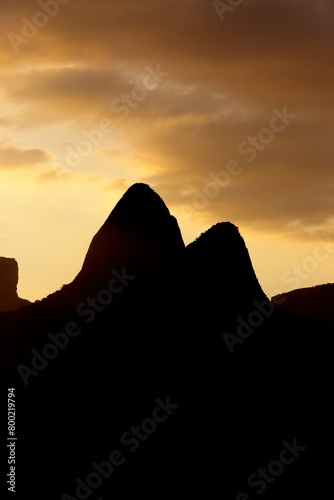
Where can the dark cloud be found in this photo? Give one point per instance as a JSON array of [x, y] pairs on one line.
[[224, 80]]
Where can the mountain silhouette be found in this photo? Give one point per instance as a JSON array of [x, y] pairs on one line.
[[315, 302], [9, 277], [234, 277], [152, 327], [139, 232]]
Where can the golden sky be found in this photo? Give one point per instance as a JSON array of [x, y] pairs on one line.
[[224, 107]]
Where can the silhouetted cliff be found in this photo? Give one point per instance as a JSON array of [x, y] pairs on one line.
[[9, 277]]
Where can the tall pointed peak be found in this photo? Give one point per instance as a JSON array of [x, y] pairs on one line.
[[140, 201], [139, 233]]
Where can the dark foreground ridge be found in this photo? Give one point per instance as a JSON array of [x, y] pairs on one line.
[[165, 370], [315, 302]]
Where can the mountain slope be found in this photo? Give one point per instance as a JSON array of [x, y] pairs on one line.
[[315, 302]]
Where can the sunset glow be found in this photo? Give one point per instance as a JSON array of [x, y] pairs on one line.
[[227, 115]]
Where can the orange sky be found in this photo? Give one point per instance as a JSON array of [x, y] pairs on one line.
[[225, 111]]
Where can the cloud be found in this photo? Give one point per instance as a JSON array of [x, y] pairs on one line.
[[5, 124], [53, 174], [248, 57], [224, 80], [188, 40], [290, 179], [12, 157], [118, 183], [64, 93]]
